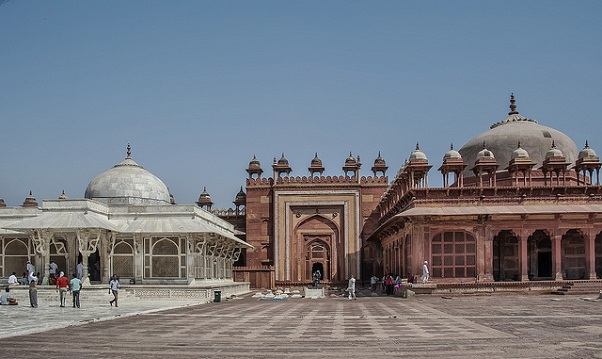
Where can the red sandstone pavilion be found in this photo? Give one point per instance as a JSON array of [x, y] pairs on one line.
[[519, 204]]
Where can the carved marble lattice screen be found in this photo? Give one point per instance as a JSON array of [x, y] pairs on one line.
[[123, 259], [15, 253], [164, 257]]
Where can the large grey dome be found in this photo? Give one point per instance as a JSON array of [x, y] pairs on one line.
[[504, 136], [128, 183]]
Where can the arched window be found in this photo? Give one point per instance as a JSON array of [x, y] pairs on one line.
[[123, 259]]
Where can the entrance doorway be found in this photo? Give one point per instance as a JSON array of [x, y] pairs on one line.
[[544, 264], [318, 259], [94, 266], [317, 266]]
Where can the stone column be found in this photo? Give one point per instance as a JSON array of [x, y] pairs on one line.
[[87, 241], [41, 240], [590, 253], [557, 255], [138, 258], [524, 256]]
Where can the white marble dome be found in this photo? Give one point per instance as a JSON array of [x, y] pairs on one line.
[[534, 138], [452, 154], [128, 183], [418, 155], [554, 152], [587, 152], [520, 153]]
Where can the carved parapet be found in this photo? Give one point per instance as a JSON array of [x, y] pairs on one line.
[[259, 182]]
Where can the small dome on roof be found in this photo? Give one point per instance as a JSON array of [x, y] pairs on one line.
[[2, 203], [63, 195], [485, 153], [204, 194], [283, 160], [587, 152], [241, 194], [254, 162], [554, 152], [30, 201], [379, 160], [204, 198], [417, 154], [350, 159], [452, 154], [520, 153], [316, 160]]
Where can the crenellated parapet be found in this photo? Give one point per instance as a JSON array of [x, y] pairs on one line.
[[259, 182], [323, 180]]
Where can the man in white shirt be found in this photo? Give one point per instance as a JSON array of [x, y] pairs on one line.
[[351, 288], [12, 280], [425, 272], [80, 270], [30, 268], [53, 268]]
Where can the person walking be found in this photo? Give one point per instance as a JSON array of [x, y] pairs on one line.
[[62, 286], [114, 288], [33, 290], [76, 286], [373, 281], [425, 272], [351, 288], [80, 270]]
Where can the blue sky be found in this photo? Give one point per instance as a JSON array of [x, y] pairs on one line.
[[199, 87]]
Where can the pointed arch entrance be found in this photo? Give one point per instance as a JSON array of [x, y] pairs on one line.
[[317, 247]]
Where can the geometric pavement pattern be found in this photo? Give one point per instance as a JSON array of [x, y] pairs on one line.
[[469, 326]]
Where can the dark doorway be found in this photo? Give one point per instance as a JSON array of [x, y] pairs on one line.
[[318, 266], [544, 264], [94, 266]]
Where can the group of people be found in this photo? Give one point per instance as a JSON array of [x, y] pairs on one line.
[[61, 282], [391, 282]]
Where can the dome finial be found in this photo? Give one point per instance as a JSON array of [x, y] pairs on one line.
[[512, 105], [586, 144], [129, 151], [451, 146]]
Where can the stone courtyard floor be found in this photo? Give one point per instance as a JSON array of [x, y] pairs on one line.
[[469, 326]]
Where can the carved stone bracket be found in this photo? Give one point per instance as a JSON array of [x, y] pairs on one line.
[[41, 241], [88, 241]]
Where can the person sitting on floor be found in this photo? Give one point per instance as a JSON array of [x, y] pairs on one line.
[[6, 299]]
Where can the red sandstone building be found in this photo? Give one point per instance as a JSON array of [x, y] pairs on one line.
[[522, 204], [519, 203], [298, 225]]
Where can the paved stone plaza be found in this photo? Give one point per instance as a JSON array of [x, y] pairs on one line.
[[469, 326]]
